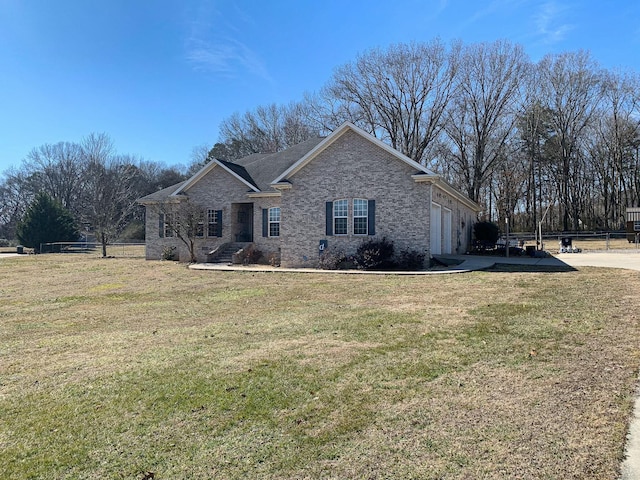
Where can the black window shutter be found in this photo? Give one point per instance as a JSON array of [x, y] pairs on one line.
[[371, 210], [265, 222], [329, 210], [219, 223], [161, 225]]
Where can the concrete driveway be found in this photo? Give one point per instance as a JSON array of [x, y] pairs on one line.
[[628, 259]]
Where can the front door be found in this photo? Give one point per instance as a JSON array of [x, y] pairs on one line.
[[243, 222]]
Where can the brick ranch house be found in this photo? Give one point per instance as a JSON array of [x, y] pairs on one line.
[[332, 192]]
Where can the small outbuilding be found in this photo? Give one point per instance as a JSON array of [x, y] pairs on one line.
[[633, 224]]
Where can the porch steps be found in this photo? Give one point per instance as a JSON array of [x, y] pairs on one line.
[[225, 254]]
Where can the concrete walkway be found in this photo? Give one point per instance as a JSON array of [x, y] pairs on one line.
[[11, 255], [630, 260], [462, 264], [631, 464]]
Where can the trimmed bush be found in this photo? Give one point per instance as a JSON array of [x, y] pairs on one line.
[[410, 260], [250, 255], [169, 253], [333, 259], [375, 255]]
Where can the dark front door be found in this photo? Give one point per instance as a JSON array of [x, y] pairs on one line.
[[243, 218]]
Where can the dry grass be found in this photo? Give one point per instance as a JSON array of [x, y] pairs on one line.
[[111, 368], [591, 244]]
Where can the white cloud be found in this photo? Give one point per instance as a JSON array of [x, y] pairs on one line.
[[226, 56], [488, 9], [549, 22], [214, 44]]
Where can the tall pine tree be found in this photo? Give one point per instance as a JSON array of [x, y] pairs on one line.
[[46, 221]]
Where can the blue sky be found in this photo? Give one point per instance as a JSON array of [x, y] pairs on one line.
[[158, 76]]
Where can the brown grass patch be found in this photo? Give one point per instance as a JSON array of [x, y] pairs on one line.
[[110, 368]]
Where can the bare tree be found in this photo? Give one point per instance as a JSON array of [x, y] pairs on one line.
[[482, 115], [109, 188], [57, 170], [83, 177], [398, 95], [534, 130], [185, 221], [14, 200], [571, 86], [200, 156], [614, 141], [267, 129]]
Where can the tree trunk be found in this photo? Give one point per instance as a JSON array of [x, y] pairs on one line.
[[103, 240]]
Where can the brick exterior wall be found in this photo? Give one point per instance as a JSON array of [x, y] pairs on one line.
[[218, 190], [350, 168]]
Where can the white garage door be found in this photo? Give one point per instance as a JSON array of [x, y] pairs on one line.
[[446, 231], [436, 229]]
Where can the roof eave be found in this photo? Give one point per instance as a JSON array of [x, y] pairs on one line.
[[170, 199], [425, 178], [438, 181], [263, 194], [282, 185], [443, 185]]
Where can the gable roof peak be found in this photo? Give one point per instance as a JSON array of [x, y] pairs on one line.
[[337, 133]]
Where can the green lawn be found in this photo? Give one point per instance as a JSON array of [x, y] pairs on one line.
[[122, 368]]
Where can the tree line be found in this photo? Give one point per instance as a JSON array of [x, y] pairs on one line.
[[559, 136], [557, 139], [97, 186]]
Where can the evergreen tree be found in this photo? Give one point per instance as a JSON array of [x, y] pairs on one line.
[[46, 221]]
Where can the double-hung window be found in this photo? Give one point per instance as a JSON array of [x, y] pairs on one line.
[[165, 225], [214, 223], [360, 216], [200, 227], [351, 217], [340, 216], [274, 222]]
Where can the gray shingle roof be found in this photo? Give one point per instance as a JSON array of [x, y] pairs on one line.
[[258, 169], [265, 168], [240, 171], [160, 195]]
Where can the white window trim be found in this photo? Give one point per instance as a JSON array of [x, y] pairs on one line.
[[346, 217], [168, 220], [272, 222], [366, 217], [211, 213]]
